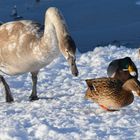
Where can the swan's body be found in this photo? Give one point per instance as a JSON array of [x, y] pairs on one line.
[[25, 47], [22, 49]]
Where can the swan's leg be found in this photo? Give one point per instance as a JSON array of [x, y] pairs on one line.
[[8, 94], [33, 95]]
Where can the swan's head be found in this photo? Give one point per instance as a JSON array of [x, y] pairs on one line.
[[68, 50]]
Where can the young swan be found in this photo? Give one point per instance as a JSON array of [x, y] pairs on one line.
[[111, 94], [24, 47]]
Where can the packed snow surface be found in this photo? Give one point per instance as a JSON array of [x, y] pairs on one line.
[[62, 112]]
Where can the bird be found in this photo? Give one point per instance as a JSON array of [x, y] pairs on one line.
[[122, 69], [26, 47], [14, 13], [112, 94]]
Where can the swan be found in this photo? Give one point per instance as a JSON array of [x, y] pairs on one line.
[[24, 47]]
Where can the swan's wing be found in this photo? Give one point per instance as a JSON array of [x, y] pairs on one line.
[[34, 27], [26, 27]]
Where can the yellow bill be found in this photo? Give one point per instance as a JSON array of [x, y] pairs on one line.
[[131, 70]]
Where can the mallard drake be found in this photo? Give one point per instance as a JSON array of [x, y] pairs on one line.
[[122, 69], [111, 94]]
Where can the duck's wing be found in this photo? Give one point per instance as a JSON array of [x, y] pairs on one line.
[[104, 86]]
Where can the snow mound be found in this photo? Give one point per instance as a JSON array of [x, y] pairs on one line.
[[62, 112]]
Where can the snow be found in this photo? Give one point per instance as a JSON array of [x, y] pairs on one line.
[[62, 112]]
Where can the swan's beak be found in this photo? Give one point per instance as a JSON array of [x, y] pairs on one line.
[[71, 60]]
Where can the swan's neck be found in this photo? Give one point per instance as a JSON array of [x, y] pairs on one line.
[[55, 27], [52, 43]]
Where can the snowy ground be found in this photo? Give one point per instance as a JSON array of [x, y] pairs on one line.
[[62, 113]]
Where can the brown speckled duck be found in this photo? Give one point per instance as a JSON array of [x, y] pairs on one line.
[[112, 94]]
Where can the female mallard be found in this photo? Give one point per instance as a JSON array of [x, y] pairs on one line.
[[112, 94], [122, 69]]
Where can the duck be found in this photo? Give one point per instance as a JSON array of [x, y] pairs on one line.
[[27, 47], [122, 69], [112, 94]]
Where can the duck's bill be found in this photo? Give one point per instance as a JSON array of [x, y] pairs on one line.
[[73, 67], [131, 70], [133, 73]]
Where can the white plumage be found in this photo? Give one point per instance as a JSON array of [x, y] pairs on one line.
[[26, 47]]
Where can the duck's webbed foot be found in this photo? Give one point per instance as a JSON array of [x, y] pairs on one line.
[[33, 95], [107, 109], [8, 94]]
